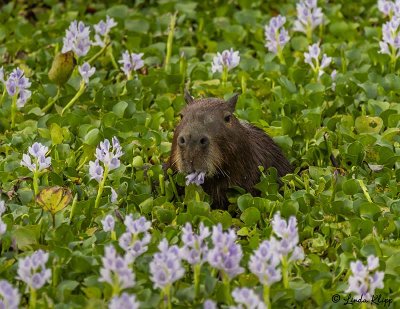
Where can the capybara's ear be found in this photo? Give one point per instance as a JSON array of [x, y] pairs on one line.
[[232, 102], [188, 98]]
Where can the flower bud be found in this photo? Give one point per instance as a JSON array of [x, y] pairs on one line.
[[62, 67]]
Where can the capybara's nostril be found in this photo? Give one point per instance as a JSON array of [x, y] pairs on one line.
[[204, 141], [181, 141]]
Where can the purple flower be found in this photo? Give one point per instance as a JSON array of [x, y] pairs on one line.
[[2, 207], [108, 154], [9, 296], [209, 304], [124, 301], [3, 228], [386, 7], [131, 62], [37, 153], [77, 39], [390, 43], [228, 59], [247, 297], [333, 77], [196, 178], [195, 248], [114, 196], [309, 16], [264, 263], [108, 223], [286, 246], [363, 282], [86, 71], [95, 170], [166, 267], [312, 58], [226, 254], [136, 238], [116, 270], [17, 84], [32, 269], [102, 29], [276, 36]]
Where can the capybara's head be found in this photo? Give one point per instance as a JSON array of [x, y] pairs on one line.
[[206, 129]]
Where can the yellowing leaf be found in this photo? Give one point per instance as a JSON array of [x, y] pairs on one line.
[[54, 199]]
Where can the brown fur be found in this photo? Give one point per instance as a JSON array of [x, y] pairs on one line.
[[234, 152]]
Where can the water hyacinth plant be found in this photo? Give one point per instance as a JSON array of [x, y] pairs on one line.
[[77, 39], [276, 36], [86, 71], [225, 256], [165, 269], [9, 296], [3, 226], [116, 271], [17, 87], [131, 62], [390, 44], [102, 39], [196, 178], [33, 272], [246, 298], [364, 279], [195, 250], [124, 301], [36, 161], [309, 16], [313, 59], [155, 238], [109, 156], [389, 8], [136, 238], [224, 62]]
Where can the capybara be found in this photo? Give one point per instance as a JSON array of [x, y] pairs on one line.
[[211, 141]]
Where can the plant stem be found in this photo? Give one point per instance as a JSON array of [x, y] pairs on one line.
[[167, 297], [32, 298], [365, 190], [101, 187], [3, 96], [285, 274], [309, 34], [35, 182], [13, 110], [170, 40], [196, 278], [112, 58], [53, 216], [98, 54], [243, 84], [76, 97], [171, 180], [224, 75], [52, 101], [162, 184], [73, 207], [267, 301], [227, 288]]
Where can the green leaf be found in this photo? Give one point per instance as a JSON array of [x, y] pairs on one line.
[[250, 216], [350, 187]]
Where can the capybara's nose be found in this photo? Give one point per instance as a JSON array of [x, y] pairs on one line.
[[194, 140], [182, 140]]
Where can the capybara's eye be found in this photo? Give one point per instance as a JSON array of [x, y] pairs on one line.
[[180, 115], [227, 118]]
